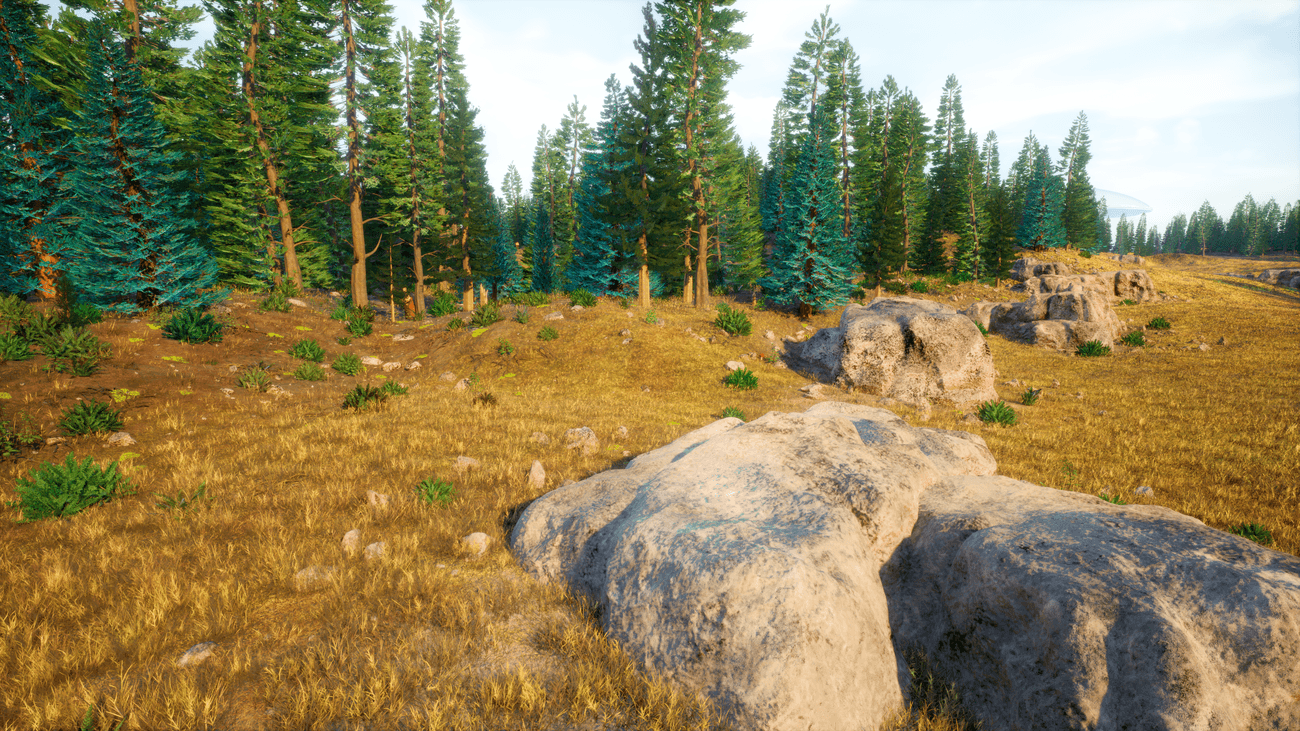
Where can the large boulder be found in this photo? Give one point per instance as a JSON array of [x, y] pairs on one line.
[[1028, 267], [903, 348], [1281, 277], [1051, 284], [1060, 321], [785, 566], [1134, 284]]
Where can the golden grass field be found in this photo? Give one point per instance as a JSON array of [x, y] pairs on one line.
[[96, 608]]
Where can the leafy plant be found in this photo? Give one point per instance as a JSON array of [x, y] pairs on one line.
[[71, 312], [1092, 349], [444, 303], [433, 491], [54, 490], [732, 412], [534, 299], [12, 438], [1159, 323], [547, 334], [983, 330], [1253, 531], [308, 350], [393, 388], [343, 340], [347, 364], [362, 396], [189, 325], [625, 302], [997, 412], [1127, 302], [255, 379], [732, 322], [74, 350], [88, 723], [183, 502], [1085, 253], [741, 380], [895, 287], [14, 311], [340, 311], [1112, 499], [359, 325], [14, 347], [486, 398], [309, 372], [1134, 339], [504, 347], [650, 317], [455, 324], [278, 299], [1071, 474], [489, 313], [1030, 396], [90, 417], [582, 298], [521, 315]]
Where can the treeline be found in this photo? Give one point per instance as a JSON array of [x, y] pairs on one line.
[[310, 146], [1251, 230]]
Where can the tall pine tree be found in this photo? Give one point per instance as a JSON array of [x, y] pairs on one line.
[[1079, 201], [1040, 224]]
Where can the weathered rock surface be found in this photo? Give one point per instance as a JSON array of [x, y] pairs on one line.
[[905, 348], [1054, 277], [1028, 267], [1281, 277], [1060, 321], [1136, 285]]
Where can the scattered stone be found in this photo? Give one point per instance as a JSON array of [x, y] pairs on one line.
[[1079, 395], [313, 577], [1132, 259], [402, 338], [414, 366], [197, 654], [1056, 383], [1058, 321], [537, 476], [296, 302], [51, 441], [625, 333], [120, 439], [554, 316], [233, 369], [447, 376], [464, 464], [375, 550], [278, 392], [734, 365], [1136, 285], [352, 541], [621, 431], [582, 438], [539, 437], [1203, 347], [1144, 490], [645, 388], [477, 543], [376, 499], [371, 360], [1027, 267], [461, 385], [229, 392], [1223, 341], [215, 310], [970, 419], [812, 390], [952, 298], [627, 340], [576, 308], [392, 366], [770, 335]]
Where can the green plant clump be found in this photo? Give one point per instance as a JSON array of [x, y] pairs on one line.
[[650, 317], [1030, 396], [1092, 349], [894, 287], [90, 417], [308, 350], [393, 388], [741, 380], [444, 303], [521, 315], [309, 372], [363, 395], [921, 286], [504, 347], [254, 380], [582, 298], [340, 311], [547, 334], [983, 330], [732, 412], [189, 325], [183, 502], [435, 492], [1127, 302], [74, 350], [489, 313], [14, 347], [278, 299], [359, 322], [343, 340], [1085, 253], [1159, 323], [1254, 532], [455, 324], [1134, 339], [347, 364], [1112, 499], [54, 490], [732, 322], [534, 299], [997, 412], [12, 437]]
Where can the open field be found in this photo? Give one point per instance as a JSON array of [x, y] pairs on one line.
[[96, 608]]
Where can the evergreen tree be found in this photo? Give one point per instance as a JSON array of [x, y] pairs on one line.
[[972, 228], [743, 252], [1077, 216], [844, 94], [1289, 230], [1175, 234], [946, 213], [1041, 222], [130, 250], [912, 149], [543, 248], [470, 200], [1020, 176], [773, 183], [878, 236], [807, 81], [510, 276], [1270, 222], [594, 266], [1140, 236], [547, 187], [989, 159], [1122, 236], [512, 187], [1102, 224], [571, 139], [999, 250]]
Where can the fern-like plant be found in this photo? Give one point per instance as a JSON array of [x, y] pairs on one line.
[[489, 313], [487, 398], [547, 334], [732, 322], [983, 330], [14, 312], [1030, 396], [1134, 339], [347, 364], [534, 299], [278, 299], [1127, 302], [521, 315], [13, 437], [1112, 499], [14, 347], [363, 396], [55, 490], [650, 317], [1092, 349], [340, 311], [435, 492], [455, 324], [921, 286], [894, 287], [75, 351], [1159, 323], [189, 325], [1254, 532], [90, 417], [444, 303], [732, 412], [359, 326], [741, 380], [308, 350], [997, 412], [504, 347], [582, 298], [183, 502], [254, 380], [309, 372], [393, 388], [345, 340]]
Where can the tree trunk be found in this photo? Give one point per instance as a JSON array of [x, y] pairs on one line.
[[702, 267], [359, 295]]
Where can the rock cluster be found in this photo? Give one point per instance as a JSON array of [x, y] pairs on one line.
[[1280, 277]]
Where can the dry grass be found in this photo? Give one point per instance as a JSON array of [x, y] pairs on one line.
[[95, 609]]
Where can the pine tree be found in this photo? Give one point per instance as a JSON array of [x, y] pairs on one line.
[[999, 248], [512, 187], [1175, 234], [1040, 224], [571, 139], [1079, 202], [743, 251], [806, 83], [913, 142], [773, 183], [130, 249], [972, 228], [989, 159], [945, 214], [593, 266], [1102, 225], [879, 234], [1020, 176], [844, 94], [543, 248], [510, 278], [1140, 236]]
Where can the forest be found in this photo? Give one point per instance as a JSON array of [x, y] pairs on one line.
[[308, 145]]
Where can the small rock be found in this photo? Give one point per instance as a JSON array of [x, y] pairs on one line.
[[812, 390], [780, 364], [554, 316], [197, 655], [234, 369], [645, 388], [228, 392], [447, 376], [217, 310], [54, 440], [352, 541], [970, 419], [1144, 490], [1203, 347], [1101, 413], [625, 333], [1056, 383], [376, 499], [414, 366], [622, 431], [464, 464], [297, 302], [577, 308], [371, 360], [392, 366], [402, 338], [312, 577], [461, 385], [1079, 395], [537, 476], [770, 335], [1223, 341], [121, 439], [375, 550], [476, 542], [582, 438], [952, 298], [627, 340], [734, 365], [539, 437]]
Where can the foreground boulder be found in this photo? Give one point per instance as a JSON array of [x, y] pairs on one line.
[[903, 348], [783, 567]]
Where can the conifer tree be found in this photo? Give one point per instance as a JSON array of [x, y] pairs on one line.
[[1175, 232], [807, 82], [1102, 222], [973, 225], [1079, 197], [130, 250], [989, 159], [879, 235], [913, 140], [594, 266], [509, 278], [1123, 237], [844, 94], [1140, 236], [773, 183], [743, 250], [946, 213], [547, 187], [999, 246], [1041, 223], [543, 248], [572, 138], [1020, 176], [512, 188]]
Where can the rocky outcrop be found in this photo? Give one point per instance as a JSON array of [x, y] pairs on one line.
[[1060, 321], [903, 348], [1280, 277], [784, 566], [1055, 277]]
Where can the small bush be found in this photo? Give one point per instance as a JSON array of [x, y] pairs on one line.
[[1254, 532], [254, 380], [1134, 339], [486, 398], [54, 490], [189, 325], [1085, 253], [278, 299], [359, 325], [534, 299], [14, 312], [432, 492], [12, 437], [582, 298], [1092, 349], [1159, 323], [345, 340], [183, 502], [489, 313], [732, 322], [14, 347], [1030, 396], [455, 324], [1112, 499], [741, 380], [393, 388], [444, 303], [997, 412], [983, 330], [1127, 302], [521, 315], [625, 302], [71, 312], [90, 417], [362, 396], [732, 412], [650, 317], [308, 350], [347, 364], [74, 351], [895, 287], [309, 372], [921, 286], [547, 334], [504, 347], [340, 311]]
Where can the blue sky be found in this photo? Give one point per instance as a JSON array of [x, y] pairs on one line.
[[1186, 101]]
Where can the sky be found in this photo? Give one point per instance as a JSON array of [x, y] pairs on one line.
[[1186, 101]]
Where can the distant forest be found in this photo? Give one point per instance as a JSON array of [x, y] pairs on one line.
[[311, 147]]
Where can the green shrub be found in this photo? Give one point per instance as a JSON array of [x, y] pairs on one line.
[[1092, 349], [486, 398], [732, 322], [1085, 253], [921, 286], [521, 315], [444, 303], [255, 379], [13, 438], [183, 502], [75, 351], [455, 324], [54, 490], [582, 298], [997, 412], [741, 380], [362, 396], [625, 302], [534, 299], [650, 317], [71, 312], [432, 492], [1134, 339], [90, 417], [14, 347], [489, 313], [1112, 499], [983, 330], [732, 412], [347, 364], [278, 299], [189, 325], [895, 287], [345, 340], [340, 311], [40, 327], [1030, 396], [1253, 531], [1159, 323], [547, 333], [504, 347], [359, 325], [393, 388], [309, 372], [308, 350], [14, 312], [1127, 302]]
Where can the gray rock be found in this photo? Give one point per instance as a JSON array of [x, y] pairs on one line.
[[582, 438], [375, 550], [464, 464], [392, 366], [376, 499], [734, 365], [1144, 490], [313, 577], [197, 654], [371, 360], [447, 376], [296, 302], [120, 439], [352, 541], [539, 437], [477, 543], [537, 476], [1059, 321], [1136, 285], [554, 316], [413, 366], [461, 385], [1027, 267]]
